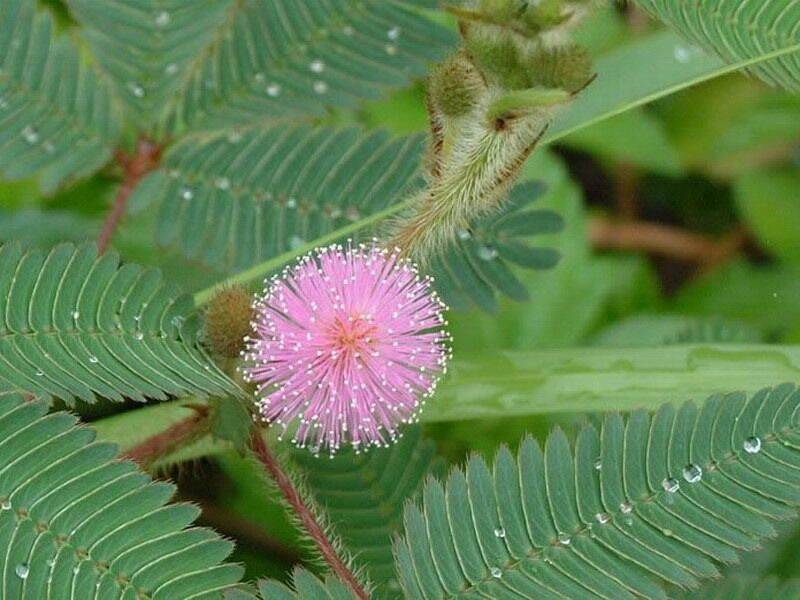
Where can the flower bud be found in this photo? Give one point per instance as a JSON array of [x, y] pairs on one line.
[[499, 59], [227, 321], [455, 86], [566, 67]]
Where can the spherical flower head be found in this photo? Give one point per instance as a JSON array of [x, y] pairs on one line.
[[347, 345]]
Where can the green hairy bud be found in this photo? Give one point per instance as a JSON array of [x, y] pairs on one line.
[[567, 67], [499, 59], [455, 87]]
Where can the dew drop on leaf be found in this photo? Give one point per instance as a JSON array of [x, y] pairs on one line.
[[138, 336], [316, 66], [40, 373], [6, 504], [94, 360], [671, 485], [752, 445], [496, 573], [602, 518], [487, 253], [22, 570], [171, 69], [692, 473], [162, 19], [30, 134], [273, 90], [626, 508], [682, 54], [500, 532], [187, 193], [320, 87], [348, 30], [564, 539], [136, 89], [391, 49], [222, 183], [598, 465]]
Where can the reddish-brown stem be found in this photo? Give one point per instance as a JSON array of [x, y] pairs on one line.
[[168, 441], [135, 167], [663, 240], [306, 515]]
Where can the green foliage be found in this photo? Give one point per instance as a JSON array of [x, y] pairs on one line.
[[479, 260], [292, 59], [149, 49], [78, 326], [665, 329], [57, 115], [233, 200], [305, 586], [661, 498], [738, 31], [363, 496], [78, 523]]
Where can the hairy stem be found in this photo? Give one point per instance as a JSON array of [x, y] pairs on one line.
[[168, 441], [306, 515], [135, 167]]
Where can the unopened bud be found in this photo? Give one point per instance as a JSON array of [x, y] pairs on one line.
[[499, 59], [227, 320], [567, 67], [455, 86]]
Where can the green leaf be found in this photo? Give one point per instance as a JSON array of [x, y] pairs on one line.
[[666, 498], [363, 497], [77, 522], [665, 329], [305, 586], [73, 325], [740, 31], [767, 200], [481, 259], [286, 58], [235, 200], [57, 116], [745, 587], [146, 48]]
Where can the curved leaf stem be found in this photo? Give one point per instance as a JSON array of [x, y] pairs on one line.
[[171, 439]]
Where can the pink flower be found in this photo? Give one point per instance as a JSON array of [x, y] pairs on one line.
[[347, 345]]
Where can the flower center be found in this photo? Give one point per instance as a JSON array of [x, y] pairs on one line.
[[352, 334]]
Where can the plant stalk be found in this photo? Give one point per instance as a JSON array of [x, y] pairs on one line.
[[171, 439], [306, 515], [146, 159]]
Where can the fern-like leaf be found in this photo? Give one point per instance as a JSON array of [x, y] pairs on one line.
[[663, 330], [146, 47], [75, 522], [738, 31], [73, 325], [479, 261], [363, 497], [57, 116], [305, 586], [234, 200], [295, 58], [661, 498]]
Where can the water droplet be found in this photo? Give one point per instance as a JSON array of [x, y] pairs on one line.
[[259, 78], [187, 193], [274, 90], [487, 253], [671, 485], [138, 336], [348, 30], [393, 34], [22, 571], [598, 465], [171, 69], [30, 134], [51, 562], [667, 532], [223, 183], [496, 573], [291, 203], [682, 54], [316, 66], [692, 473], [235, 136], [320, 87], [626, 508], [602, 518], [162, 19], [564, 539], [75, 315], [464, 234], [136, 89], [752, 445], [94, 360], [391, 49], [6, 504], [500, 532], [76, 569], [40, 373]]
